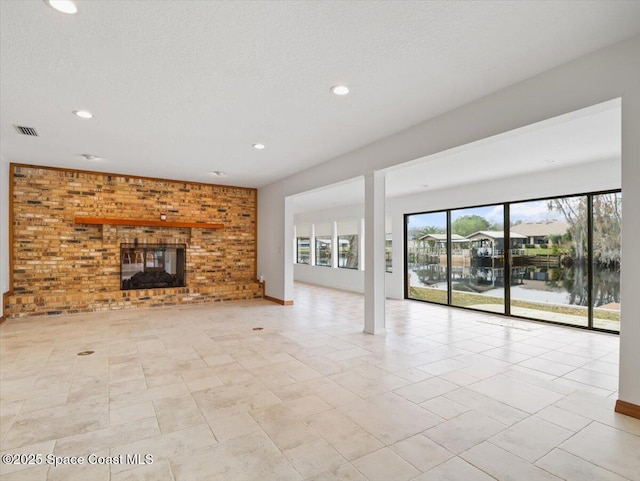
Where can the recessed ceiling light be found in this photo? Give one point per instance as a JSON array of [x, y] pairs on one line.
[[218, 173], [64, 6], [340, 89], [425, 185], [259, 146], [85, 114], [549, 161], [90, 156]]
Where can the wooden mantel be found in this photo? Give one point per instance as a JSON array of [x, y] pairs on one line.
[[146, 223]]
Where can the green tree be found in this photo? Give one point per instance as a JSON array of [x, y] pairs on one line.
[[468, 224]]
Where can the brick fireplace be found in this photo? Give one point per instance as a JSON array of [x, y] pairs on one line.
[[64, 261]]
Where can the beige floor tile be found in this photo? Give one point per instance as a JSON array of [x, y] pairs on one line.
[[531, 438], [343, 434], [502, 465], [131, 413], [307, 406], [176, 413], [390, 417], [489, 407], [16, 465], [515, 393], [463, 432], [425, 390], [563, 418], [573, 468], [252, 457], [284, 428], [607, 447], [314, 457], [344, 472], [158, 471], [106, 438], [38, 473], [384, 465], [421, 452], [455, 469], [229, 427], [444, 407]]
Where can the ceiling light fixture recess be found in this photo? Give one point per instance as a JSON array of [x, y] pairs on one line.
[[549, 161], [63, 6], [83, 114], [259, 146], [340, 89], [90, 156], [218, 173]]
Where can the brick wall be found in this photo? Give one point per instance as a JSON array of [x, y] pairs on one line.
[[61, 267]]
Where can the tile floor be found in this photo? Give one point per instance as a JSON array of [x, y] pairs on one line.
[[445, 395]]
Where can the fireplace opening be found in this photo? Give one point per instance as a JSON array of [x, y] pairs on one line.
[[152, 266]]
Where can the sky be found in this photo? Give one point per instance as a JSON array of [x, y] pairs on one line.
[[533, 211]]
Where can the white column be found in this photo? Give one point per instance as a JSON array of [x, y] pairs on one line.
[[361, 244], [334, 245], [374, 275], [629, 380], [312, 245], [288, 250]]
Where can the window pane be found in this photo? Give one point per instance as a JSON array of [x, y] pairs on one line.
[[302, 250], [606, 260], [427, 256], [348, 251], [549, 280], [323, 251], [477, 271], [388, 253]]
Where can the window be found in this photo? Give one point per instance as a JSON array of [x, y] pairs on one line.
[[302, 250], [549, 280], [605, 289], [348, 251], [388, 253], [323, 251], [427, 257], [477, 273], [559, 261]]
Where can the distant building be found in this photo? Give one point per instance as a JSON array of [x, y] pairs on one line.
[[538, 232]]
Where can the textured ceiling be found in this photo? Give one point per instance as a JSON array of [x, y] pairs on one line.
[[181, 89]]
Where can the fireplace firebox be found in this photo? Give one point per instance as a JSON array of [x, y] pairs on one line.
[[152, 266]]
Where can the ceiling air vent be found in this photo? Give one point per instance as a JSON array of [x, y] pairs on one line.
[[26, 130]]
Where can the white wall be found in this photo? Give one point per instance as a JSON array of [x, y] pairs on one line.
[[347, 279], [4, 229], [603, 75]]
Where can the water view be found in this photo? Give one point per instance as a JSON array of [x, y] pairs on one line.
[[549, 259]]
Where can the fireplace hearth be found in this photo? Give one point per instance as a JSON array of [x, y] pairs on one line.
[[152, 266]]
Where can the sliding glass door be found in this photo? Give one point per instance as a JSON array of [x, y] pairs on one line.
[[551, 282], [558, 261], [427, 258], [477, 271]]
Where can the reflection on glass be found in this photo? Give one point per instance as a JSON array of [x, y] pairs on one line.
[[348, 251], [427, 256], [550, 271], [607, 220], [323, 251], [477, 270], [388, 253], [302, 250]]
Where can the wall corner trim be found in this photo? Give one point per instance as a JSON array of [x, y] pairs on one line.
[[627, 408], [278, 301]]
